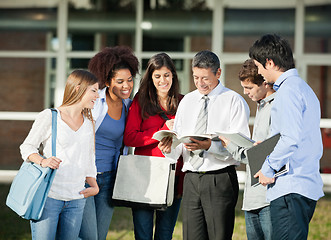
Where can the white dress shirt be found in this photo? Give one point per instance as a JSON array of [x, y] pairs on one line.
[[227, 112], [74, 148]]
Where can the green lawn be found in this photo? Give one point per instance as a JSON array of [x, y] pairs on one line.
[[121, 228]]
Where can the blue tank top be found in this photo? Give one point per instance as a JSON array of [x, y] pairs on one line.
[[108, 142]]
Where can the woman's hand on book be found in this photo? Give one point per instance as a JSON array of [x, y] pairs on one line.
[[165, 144]]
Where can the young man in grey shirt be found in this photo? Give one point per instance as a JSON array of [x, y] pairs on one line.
[[257, 212]]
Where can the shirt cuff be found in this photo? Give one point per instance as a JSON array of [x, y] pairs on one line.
[[267, 170], [171, 155], [216, 147], [231, 147]]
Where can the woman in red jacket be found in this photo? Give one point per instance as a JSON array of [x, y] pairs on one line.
[[153, 109]]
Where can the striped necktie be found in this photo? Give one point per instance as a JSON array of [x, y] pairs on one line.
[[196, 159]]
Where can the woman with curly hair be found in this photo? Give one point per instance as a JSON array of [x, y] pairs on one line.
[[115, 68], [154, 108]]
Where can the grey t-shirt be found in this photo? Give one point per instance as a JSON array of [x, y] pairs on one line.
[[254, 197]]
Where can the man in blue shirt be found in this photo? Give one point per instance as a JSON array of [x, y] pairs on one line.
[[295, 114]]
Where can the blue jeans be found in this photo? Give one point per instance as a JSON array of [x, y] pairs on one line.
[[164, 224], [258, 224], [60, 220], [291, 215], [98, 210]]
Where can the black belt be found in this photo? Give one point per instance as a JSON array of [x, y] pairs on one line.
[[223, 170]]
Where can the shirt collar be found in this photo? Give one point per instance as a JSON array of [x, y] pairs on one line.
[[284, 76], [102, 94], [269, 98], [213, 92], [266, 100]]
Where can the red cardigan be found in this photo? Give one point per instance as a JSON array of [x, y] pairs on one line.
[[138, 133]]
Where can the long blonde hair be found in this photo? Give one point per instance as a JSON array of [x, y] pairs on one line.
[[75, 88]]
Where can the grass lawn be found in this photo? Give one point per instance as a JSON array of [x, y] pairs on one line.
[[13, 227]]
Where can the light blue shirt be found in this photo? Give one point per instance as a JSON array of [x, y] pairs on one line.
[[295, 114]]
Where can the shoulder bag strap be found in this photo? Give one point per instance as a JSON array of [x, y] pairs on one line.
[[54, 131]]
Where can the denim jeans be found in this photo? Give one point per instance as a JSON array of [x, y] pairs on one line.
[[98, 210], [258, 224], [291, 215], [164, 224], [60, 220]]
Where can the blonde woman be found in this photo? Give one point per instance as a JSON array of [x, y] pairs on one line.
[[75, 159]]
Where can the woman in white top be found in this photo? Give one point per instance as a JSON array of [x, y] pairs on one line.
[[75, 160]]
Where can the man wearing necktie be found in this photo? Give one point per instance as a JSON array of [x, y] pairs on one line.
[[210, 184]]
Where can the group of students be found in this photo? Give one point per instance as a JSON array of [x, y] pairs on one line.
[[96, 105]]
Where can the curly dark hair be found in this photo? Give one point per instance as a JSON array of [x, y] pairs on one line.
[[249, 72], [147, 94], [106, 63]]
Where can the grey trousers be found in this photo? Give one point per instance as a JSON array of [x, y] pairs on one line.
[[208, 204]]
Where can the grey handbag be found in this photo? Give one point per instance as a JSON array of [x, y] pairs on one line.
[[145, 182]]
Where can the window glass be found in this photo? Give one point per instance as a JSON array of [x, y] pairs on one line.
[[103, 25], [318, 29], [319, 79], [179, 26], [242, 27], [26, 29]]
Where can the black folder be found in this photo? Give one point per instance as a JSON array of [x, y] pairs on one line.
[[257, 154]]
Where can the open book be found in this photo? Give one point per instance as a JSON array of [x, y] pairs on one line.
[[176, 140], [257, 154], [237, 138]]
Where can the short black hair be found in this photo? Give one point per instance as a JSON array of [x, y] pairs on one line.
[[275, 48]]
